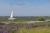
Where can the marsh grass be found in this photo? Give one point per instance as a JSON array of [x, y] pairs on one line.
[[35, 30], [38, 27]]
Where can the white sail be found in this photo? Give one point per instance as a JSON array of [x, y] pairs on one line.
[[11, 16]]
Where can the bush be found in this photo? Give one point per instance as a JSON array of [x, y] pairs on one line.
[[41, 19]]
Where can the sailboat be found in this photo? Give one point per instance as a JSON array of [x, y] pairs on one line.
[[11, 16]]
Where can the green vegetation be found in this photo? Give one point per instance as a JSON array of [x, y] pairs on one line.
[[21, 20], [37, 27], [25, 18], [41, 19], [40, 27], [35, 30]]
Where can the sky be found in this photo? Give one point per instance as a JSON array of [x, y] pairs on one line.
[[25, 7]]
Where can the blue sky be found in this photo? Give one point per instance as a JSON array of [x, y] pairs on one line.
[[25, 7]]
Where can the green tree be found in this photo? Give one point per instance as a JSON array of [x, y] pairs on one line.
[[41, 19]]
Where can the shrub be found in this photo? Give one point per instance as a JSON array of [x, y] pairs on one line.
[[41, 19]]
